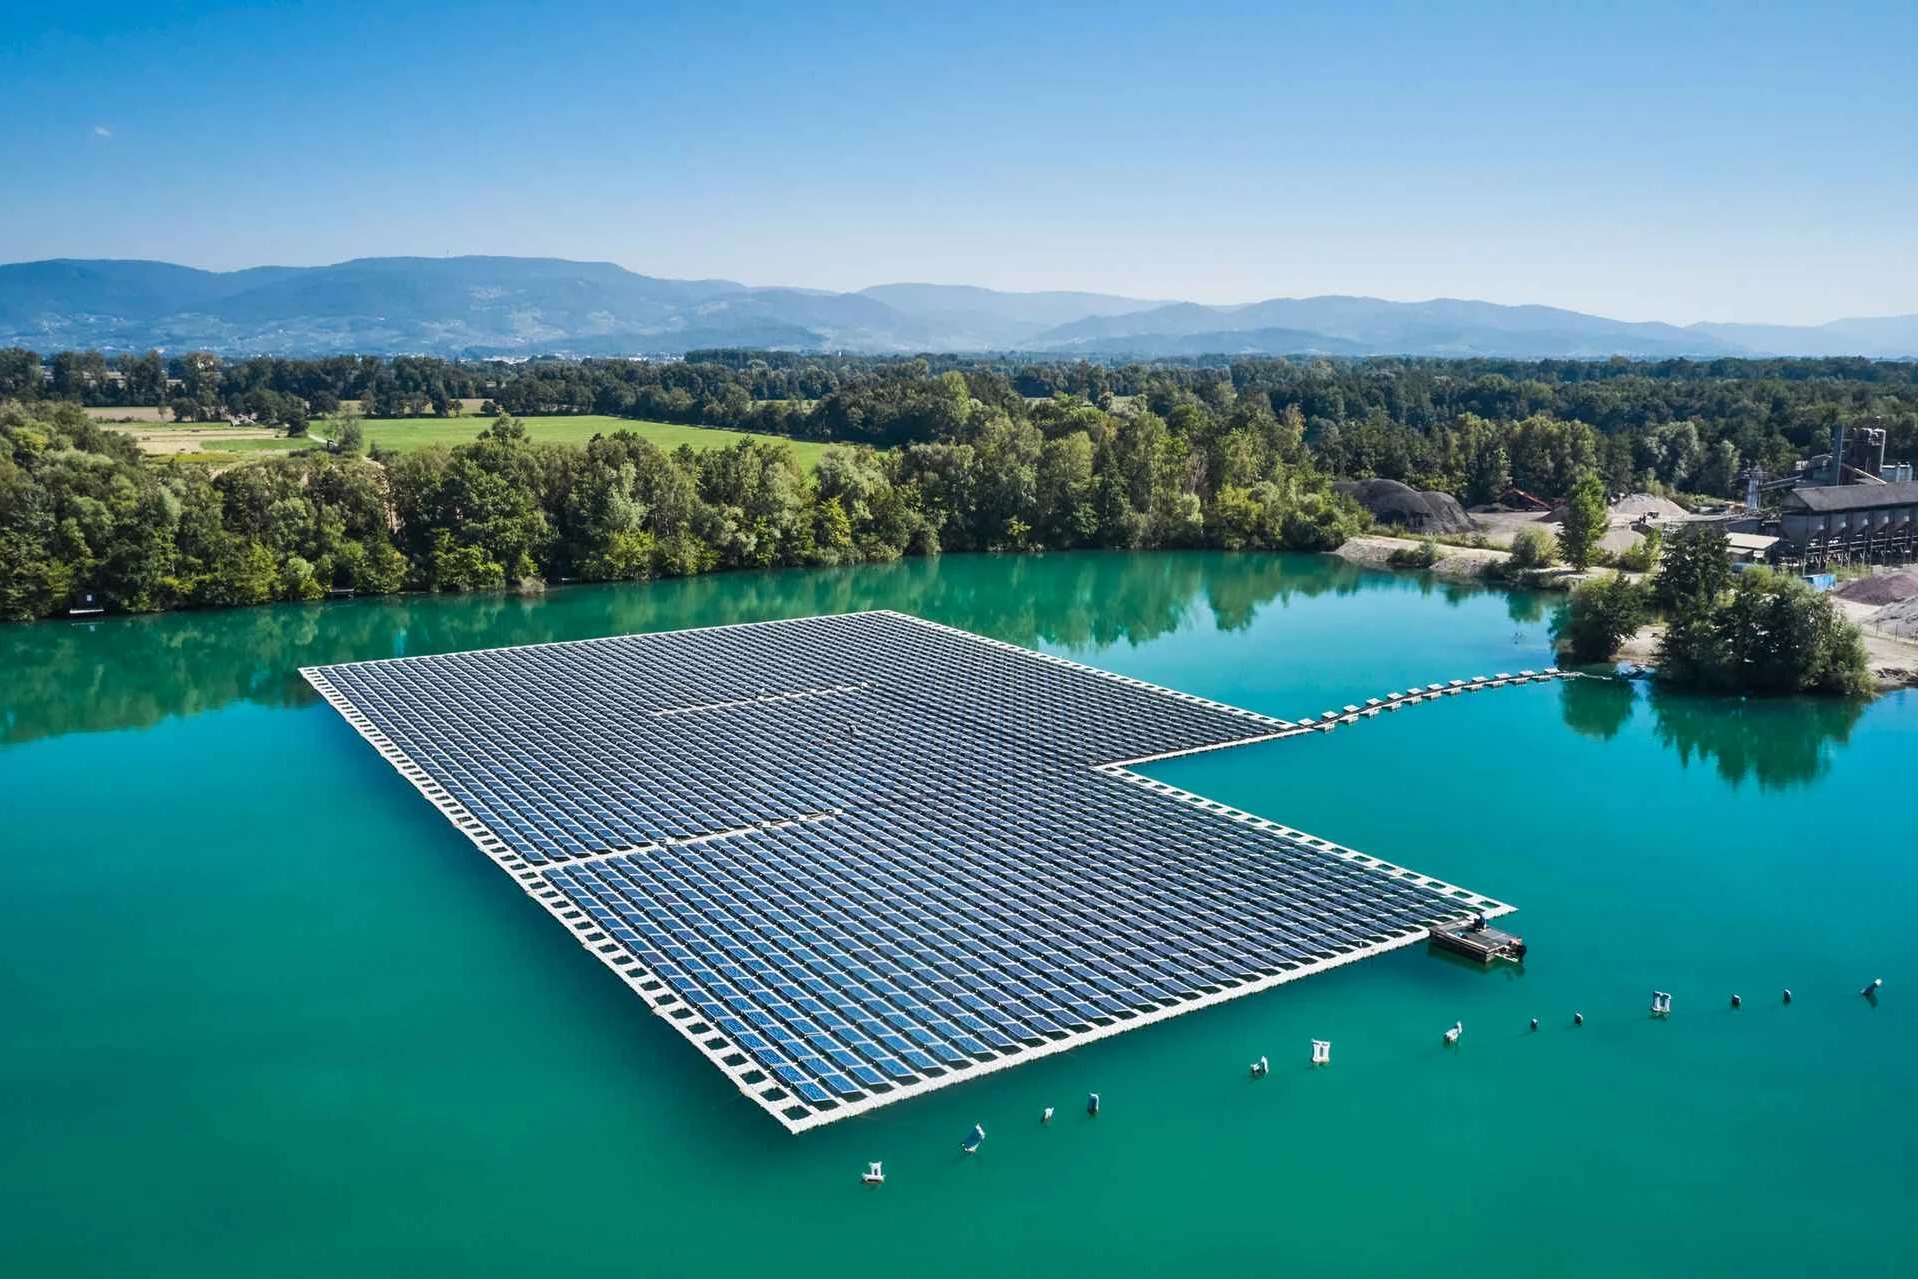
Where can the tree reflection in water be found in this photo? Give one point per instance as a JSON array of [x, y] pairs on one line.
[[1777, 742], [129, 672], [1596, 708]]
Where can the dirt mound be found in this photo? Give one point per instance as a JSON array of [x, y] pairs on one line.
[[1881, 588], [1638, 506], [1391, 502], [1900, 619]]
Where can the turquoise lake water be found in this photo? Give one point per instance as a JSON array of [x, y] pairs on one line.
[[266, 1014]]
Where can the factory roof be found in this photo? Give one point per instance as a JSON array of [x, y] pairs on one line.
[[1854, 497]]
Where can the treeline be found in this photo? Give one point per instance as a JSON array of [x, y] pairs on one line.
[[82, 511], [201, 387], [1463, 426]]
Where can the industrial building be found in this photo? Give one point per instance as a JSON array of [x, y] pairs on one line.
[[1849, 506], [1863, 523]]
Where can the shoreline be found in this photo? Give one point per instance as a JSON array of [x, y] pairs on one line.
[[1894, 661], [1455, 563]]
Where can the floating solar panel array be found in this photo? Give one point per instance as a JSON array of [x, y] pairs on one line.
[[854, 858]]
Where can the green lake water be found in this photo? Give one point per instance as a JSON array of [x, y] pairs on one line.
[[264, 1013]]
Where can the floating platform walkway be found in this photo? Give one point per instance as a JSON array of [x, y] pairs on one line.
[[855, 858], [1395, 701]]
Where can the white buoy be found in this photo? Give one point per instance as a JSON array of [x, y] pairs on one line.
[[875, 1174], [1451, 1036], [1047, 1117], [1321, 1052]]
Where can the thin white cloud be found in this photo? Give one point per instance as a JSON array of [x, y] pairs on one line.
[[101, 131]]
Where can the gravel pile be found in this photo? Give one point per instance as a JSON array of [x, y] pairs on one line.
[[1641, 505], [1394, 503], [1881, 588], [1900, 619]]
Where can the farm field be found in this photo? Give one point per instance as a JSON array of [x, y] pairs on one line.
[[127, 413], [237, 443], [403, 435], [193, 441], [196, 442]]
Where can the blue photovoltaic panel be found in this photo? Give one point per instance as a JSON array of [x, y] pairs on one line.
[[856, 857]]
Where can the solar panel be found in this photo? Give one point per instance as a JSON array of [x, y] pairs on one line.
[[853, 858]]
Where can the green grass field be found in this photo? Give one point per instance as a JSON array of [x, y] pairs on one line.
[[404, 434]]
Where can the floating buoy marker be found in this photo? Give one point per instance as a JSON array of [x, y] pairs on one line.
[[1047, 1117], [1321, 1052]]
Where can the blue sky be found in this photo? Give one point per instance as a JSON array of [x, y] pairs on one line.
[[1649, 161]]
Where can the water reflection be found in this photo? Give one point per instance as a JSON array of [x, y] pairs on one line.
[[1777, 742], [58, 677], [1596, 708], [1525, 608]]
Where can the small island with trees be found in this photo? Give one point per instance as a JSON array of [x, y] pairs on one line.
[[1751, 630]]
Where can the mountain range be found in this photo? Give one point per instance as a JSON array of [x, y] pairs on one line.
[[498, 306]]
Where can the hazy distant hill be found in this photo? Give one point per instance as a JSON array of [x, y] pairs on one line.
[[489, 305], [972, 318], [1268, 341], [1444, 326], [1892, 337]]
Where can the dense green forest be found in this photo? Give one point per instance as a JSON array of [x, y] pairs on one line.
[[1468, 427], [81, 509], [930, 455]]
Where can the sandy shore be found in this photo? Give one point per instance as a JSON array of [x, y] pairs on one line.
[[1894, 661], [1375, 551]]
